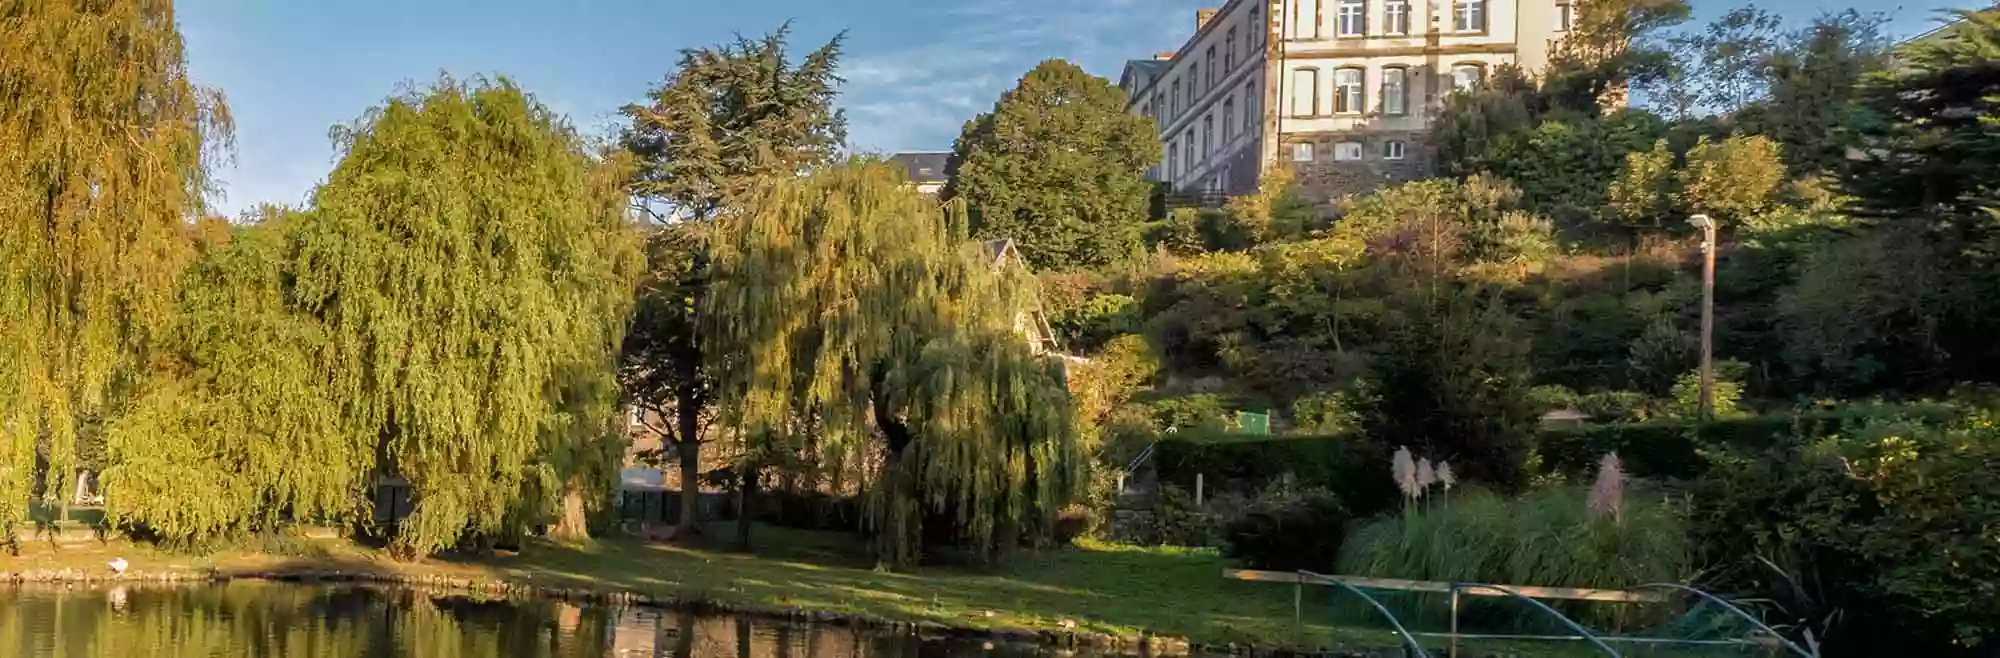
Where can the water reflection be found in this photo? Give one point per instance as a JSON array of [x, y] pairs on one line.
[[258, 619]]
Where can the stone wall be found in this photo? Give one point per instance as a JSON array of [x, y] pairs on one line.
[[1326, 181]]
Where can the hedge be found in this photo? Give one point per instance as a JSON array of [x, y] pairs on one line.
[[1672, 450], [1356, 471]]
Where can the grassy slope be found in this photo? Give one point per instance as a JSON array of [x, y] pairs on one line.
[[1106, 589]]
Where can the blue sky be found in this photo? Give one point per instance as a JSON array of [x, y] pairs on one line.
[[915, 69]]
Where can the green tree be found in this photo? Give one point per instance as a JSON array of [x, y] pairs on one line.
[[1058, 166], [473, 264], [1729, 59], [1814, 81], [1927, 139], [726, 117], [1611, 48], [237, 427], [105, 150], [872, 315], [1733, 179]]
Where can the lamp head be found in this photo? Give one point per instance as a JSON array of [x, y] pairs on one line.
[[1703, 222]]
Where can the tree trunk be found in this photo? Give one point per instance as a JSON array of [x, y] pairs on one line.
[[746, 492], [574, 524], [689, 524], [896, 535]]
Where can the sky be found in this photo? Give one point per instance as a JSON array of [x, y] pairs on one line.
[[915, 70]]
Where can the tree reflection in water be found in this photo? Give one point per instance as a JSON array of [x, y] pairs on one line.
[[273, 620]]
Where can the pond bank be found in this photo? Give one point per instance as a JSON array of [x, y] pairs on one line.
[[1159, 601]]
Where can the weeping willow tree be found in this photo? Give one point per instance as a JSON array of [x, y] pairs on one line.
[[472, 265], [104, 154], [860, 306], [234, 430]]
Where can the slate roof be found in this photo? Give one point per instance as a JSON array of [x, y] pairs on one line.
[[923, 167]]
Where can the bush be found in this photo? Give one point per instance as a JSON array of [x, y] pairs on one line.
[[1675, 449], [1547, 538], [1288, 528], [1889, 533], [1354, 470]]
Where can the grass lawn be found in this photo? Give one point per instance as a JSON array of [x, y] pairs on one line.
[[1101, 588]]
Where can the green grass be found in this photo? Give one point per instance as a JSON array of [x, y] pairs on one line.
[[1101, 588]]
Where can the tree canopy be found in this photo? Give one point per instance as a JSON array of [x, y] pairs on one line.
[[448, 310], [105, 153], [730, 114], [872, 312], [726, 117], [1057, 166]]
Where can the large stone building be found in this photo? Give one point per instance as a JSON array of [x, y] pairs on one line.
[[1343, 91]]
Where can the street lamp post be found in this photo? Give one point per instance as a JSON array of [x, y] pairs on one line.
[[1707, 226]]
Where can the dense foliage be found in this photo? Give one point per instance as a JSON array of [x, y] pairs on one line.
[[874, 317], [725, 118], [1879, 538], [446, 311], [105, 152], [1552, 269], [1057, 166]]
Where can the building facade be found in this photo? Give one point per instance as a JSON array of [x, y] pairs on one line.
[[1342, 91]]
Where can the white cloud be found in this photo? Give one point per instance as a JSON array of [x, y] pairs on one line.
[[917, 97]]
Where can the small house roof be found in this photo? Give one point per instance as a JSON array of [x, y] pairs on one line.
[[923, 167]]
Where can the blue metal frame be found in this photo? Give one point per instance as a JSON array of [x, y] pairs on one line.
[[1407, 637], [1739, 612], [1544, 607], [1582, 632]]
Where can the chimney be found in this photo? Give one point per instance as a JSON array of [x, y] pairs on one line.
[[1202, 17], [1163, 56]]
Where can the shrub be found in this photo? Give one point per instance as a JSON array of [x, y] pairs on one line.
[[1614, 406], [1547, 538], [1288, 528], [1675, 449], [1889, 531], [1352, 469]]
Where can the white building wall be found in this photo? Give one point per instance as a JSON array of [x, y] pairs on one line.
[[1308, 37], [1189, 157]]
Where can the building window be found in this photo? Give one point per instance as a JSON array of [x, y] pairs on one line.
[[1353, 18], [1466, 77], [1469, 16], [1173, 101], [1228, 117], [1304, 21], [1194, 84], [1347, 97], [1347, 151], [1305, 92], [1565, 15], [1302, 152], [1393, 150], [1395, 91], [1257, 32], [1174, 161], [1249, 106], [1396, 13], [1207, 136], [1211, 68], [1229, 51]]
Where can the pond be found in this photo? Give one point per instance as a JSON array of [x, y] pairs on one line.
[[272, 619]]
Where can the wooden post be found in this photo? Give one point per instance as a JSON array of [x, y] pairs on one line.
[[1197, 489], [1453, 650], [1299, 608]]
